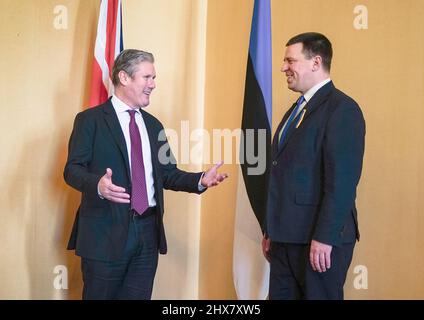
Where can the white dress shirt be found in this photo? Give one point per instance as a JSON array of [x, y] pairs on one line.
[[121, 110]]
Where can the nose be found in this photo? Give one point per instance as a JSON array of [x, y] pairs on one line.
[[152, 84], [284, 67]]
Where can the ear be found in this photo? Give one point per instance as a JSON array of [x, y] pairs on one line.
[[316, 63], [123, 78]]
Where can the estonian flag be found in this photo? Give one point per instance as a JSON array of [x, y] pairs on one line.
[[250, 268]]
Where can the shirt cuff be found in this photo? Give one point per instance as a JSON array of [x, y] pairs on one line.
[[199, 185], [98, 192]]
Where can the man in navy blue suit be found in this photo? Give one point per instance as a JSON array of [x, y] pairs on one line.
[[317, 153], [118, 230]]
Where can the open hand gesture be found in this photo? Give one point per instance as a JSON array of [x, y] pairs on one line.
[[212, 177]]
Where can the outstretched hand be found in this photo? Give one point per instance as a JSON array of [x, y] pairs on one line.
[[110, 191], [212, 177]]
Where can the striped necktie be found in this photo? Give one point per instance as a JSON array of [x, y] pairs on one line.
[[293, 116]]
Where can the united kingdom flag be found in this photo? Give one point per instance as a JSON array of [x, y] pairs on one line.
[[109, 43]]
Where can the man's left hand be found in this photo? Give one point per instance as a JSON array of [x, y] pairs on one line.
[[320, 256], [212, 177]]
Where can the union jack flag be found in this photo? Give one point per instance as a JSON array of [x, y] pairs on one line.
[[109, 43]]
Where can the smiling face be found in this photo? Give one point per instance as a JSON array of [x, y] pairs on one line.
[[299, 69], [135, 91]]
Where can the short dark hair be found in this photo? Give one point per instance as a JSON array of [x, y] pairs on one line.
[[314, 44], [127, 61]]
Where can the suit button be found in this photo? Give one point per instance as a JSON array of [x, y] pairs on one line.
[[274, 163]]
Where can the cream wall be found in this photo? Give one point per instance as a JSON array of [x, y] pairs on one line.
[[44, 72], [228, 28], [175, 32], [382, 69], [47, 84], [201, 51]]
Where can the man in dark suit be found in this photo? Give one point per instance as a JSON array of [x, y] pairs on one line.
[[311, 222], [119, 159]]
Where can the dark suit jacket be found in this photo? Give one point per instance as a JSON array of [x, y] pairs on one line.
[[97, 142], [314, 175]]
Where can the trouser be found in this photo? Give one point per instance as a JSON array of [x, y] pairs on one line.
[[292, 277], [130, 277]]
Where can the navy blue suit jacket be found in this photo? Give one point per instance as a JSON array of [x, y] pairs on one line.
[[314, 175], [96, 143]]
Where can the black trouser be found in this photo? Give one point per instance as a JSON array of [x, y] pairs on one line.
[[130, 277], [292, 276]]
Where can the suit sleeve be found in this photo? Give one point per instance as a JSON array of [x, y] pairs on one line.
[[174, 178], [80, 150], [179, 180], [342, 155]]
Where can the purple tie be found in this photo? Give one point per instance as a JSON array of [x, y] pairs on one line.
[[139, 200]]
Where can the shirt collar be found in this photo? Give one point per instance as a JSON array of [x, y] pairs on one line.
[[310, 93], [120, 106]]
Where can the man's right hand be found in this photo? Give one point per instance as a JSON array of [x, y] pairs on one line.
[[110, 191], [266, 244]]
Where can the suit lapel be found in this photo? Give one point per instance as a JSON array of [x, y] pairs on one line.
[[115, 128], [277, 132], [311, 106], [318, 99], [152, 131], [153, 140]]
